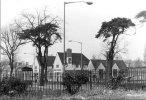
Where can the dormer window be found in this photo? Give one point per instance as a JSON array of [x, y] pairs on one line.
[[69, 60]]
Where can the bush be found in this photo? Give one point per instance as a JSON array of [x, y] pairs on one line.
[[116, 82], [12, 86], [81, 78], [73, 82]]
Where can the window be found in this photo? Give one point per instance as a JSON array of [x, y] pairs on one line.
[[58, 76], [58, 73], [78, 66], [69, 60], [101, 73], [57, 66], [115, 72]]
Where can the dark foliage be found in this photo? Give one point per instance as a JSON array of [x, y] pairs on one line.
[[117, 82], [142, 15], [12, 86], [73, 82]]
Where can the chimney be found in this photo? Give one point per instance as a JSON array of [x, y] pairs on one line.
[[69, 56], [69, 53]]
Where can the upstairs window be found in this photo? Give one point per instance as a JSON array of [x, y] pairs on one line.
[[57, 66], [69, 60]]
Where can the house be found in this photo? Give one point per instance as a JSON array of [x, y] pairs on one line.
[[99, 67], [73, 61], [55, 64]]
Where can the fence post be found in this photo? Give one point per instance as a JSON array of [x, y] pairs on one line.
[[90, 79]]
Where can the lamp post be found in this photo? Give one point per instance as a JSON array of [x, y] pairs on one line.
[[81, 51], [88, 3]]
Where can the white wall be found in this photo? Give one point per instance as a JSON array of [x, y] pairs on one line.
[[37, 68], [85, 67], [115, 67], [77, 67], [70, 67], [57, 61], [90, 66], [101, 66]]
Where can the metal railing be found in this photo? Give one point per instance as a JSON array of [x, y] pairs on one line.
[[134, 79]]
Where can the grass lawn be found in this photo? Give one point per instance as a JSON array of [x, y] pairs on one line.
[[97, 93], [104, 94]]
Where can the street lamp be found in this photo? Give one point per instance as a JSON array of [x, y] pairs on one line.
[[81, 51], [88, 3]]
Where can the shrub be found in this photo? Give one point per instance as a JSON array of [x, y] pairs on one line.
[[12, 86], [82, 78], [116, 82], [73, 82]]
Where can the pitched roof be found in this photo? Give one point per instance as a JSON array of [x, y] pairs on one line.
[[50, 60], [76, 58], [120, 63]]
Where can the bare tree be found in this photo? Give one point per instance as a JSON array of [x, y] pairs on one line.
[[94, 56], [129, 62], [120, 49], [138, 62], [10, 42]]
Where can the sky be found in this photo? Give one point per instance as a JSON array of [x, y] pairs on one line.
[[82, 24]]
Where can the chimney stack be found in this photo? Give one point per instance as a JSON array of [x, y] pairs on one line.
[[69, 56]]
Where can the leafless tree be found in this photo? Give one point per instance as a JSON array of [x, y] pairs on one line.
[[10, 42], [129, 63], [120, 49], [94, 56], [138, 62]]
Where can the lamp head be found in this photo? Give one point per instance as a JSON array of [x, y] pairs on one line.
[[89, 3]]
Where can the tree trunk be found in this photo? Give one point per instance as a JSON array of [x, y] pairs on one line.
[[42, 76], [110, 57], [45, 61], [42, 66], [11, 65], [109, 70]]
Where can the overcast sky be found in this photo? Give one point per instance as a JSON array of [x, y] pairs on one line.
[[82, 23]]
